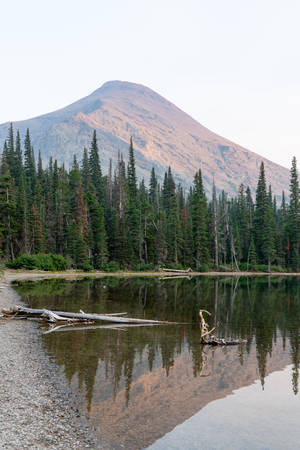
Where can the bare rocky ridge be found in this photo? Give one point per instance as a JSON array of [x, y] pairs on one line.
[[163, 135]]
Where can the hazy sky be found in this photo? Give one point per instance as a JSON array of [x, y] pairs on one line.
[[234, 65]]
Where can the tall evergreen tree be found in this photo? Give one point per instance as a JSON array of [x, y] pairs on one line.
[[261, 206], [294, 218], [97, 233], [199, 217], [95, 169], [133, 210]]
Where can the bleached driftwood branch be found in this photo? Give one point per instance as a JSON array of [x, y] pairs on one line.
[[212, 340], [178, 270], [29, 312]]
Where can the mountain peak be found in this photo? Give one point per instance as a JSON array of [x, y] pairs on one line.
[[118, 87], [163, 136]]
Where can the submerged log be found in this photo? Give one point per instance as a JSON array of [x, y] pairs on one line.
[[20, 310], [219, 341]]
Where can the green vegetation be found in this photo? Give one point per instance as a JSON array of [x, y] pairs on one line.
[[48, 262], [111, 222]]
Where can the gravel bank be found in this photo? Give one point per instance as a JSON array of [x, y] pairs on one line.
[[37, 408]]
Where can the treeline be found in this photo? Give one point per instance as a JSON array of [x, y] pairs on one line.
[[110, 221]]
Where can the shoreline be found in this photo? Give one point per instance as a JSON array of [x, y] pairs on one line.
[[38, 408], [10, 275]]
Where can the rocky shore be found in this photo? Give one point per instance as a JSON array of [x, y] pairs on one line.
[[37, 408]]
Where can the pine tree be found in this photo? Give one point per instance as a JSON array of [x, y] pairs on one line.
[[153, 193], [294, 218], [252, 258], [199, 217], [77, 229], [18, 159], [173, 231], [260, 214], [97, 234], [269, 243], [133, 210], [243, 223], [85, 171], [95, 170], [23, 238], [215, 226], [7, 211], [11, 154]]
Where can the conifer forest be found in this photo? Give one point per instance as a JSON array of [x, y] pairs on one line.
[[89, 220]]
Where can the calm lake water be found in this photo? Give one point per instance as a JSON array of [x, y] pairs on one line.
[[157, 386]]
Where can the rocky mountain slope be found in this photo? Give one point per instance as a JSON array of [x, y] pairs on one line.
[[163, 135]]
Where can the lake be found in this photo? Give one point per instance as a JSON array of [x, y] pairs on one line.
[[157, 386]]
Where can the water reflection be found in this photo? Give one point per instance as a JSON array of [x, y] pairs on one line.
[[139, 383]]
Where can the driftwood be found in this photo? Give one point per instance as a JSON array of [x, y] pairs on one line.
[[178, 270], [175, 277], [207, 338], [115, 326], [29, 312], [68, 319]]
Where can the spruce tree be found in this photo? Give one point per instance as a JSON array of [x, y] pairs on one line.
[[95, 170], [261, 206], [97, 234], [199, 217], [294, 218], [7, 211], [171, 209], [133, 210], [77, 228]]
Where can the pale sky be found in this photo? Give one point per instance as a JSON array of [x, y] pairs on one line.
[[233, 65]]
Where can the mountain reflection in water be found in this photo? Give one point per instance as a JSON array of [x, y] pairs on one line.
[[137, 384]]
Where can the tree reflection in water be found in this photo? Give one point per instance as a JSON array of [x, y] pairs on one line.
[[261, 310]]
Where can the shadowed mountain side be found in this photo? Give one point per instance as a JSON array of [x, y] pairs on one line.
[[163, 135], [167, 401]]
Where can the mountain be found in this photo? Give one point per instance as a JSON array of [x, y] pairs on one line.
[[163, 135]]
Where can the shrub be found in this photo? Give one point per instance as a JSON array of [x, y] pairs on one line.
[[23, 262], [203, 268], [111, 266], [41, 261], [59, 262], [44, 262], [144, 267], [85, 267]]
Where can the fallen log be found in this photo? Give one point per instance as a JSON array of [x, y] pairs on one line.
[[51, 317], [175, 277], [178, 270], [20, 310]]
